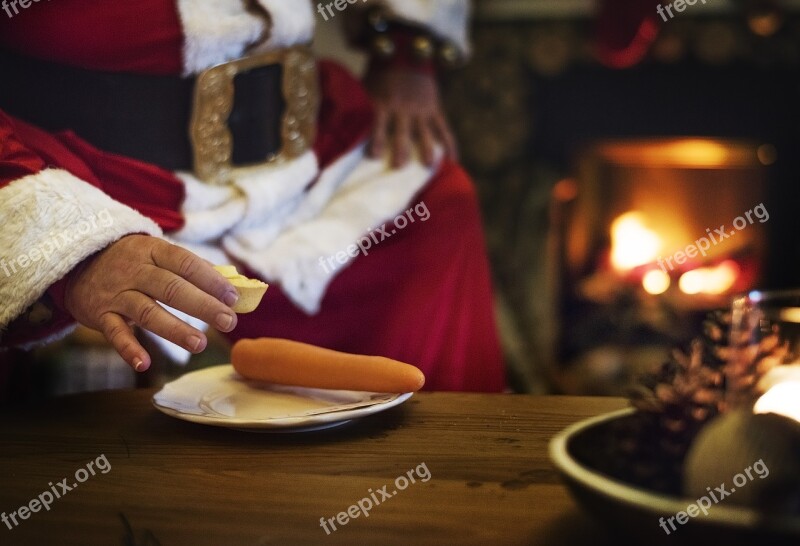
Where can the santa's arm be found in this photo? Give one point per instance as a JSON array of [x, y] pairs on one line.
[[409, 41], [51, 221]]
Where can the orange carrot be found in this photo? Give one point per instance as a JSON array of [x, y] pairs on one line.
[[285, 362]]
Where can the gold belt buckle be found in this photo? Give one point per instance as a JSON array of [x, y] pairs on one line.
[[212, 143]]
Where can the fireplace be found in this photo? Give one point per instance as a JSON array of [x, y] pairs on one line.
[[703, 129], [651, 235], [664, 177]]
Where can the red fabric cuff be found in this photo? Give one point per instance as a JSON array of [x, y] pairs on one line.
[[404, 58], [44, 319], [57, 292]]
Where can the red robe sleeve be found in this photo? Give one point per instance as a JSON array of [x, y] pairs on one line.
[[54, 214], [16, 160], [61, 199]]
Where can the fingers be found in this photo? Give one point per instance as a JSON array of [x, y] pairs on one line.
[[195, 270], [379, 133], [445, 136], [401, 130], [394, 127], [427, 142], [148, 314], [402, 141], [120, 335], [172, 290]]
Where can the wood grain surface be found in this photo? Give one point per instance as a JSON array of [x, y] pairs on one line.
[[176, 483]]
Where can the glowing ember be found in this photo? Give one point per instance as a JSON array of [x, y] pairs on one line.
[[655, 282], [632, 243], [699, 152], [710, 280], [790, 314]]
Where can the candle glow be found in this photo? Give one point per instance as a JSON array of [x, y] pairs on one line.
[[781, 399]]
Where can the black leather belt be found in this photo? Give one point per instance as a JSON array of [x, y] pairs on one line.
[[151, 118]]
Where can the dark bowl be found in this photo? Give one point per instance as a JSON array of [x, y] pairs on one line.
[[633, 512]]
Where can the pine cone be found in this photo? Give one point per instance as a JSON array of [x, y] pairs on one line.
[[674, 403], [753, 360], [687, 391]]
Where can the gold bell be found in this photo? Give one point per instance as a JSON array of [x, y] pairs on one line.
[[423, 48], [448, 54], [383, 47]]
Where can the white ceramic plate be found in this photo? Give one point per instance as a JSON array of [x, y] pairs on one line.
[[219, 396]]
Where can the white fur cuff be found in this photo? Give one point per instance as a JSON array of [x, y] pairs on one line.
[[51, 221], [448, 19], [292, 23], [217, 31]]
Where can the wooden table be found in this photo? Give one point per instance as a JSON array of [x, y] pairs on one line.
[[176, 483]]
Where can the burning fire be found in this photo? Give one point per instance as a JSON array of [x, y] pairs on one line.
[[655, 282], [632, 242], [710, 280]]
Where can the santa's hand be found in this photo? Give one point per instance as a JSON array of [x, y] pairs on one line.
[[119, 286], [408, 112]]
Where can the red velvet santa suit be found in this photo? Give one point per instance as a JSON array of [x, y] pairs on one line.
[[422, 296]]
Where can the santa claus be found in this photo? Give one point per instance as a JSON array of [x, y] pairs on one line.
[[142, 141]]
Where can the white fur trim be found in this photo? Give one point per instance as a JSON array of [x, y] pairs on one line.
[[286, 229], [356, 194], [201, 196], [216, 31], [271, 189], [211, 224], [292, 23], [58, 220], [261, 196], [209, 211], [446, 18], [299, 209]]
